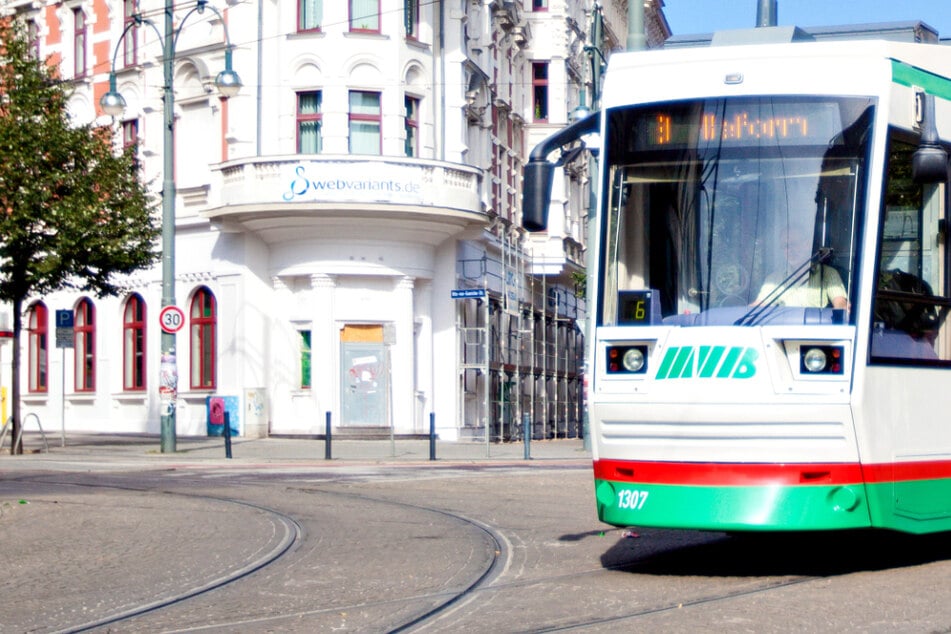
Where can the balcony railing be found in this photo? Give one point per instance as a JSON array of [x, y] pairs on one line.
[[324, 181]]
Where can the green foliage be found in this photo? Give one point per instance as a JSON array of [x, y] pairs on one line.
[[580, 279], [73, 212]]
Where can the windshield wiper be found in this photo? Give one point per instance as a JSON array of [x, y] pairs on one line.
[[753, 315]]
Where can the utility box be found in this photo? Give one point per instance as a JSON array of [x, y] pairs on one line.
[[255, 413]]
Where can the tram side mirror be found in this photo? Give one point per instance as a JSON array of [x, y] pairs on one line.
[[539, 172], [536, 194], [929, 163]]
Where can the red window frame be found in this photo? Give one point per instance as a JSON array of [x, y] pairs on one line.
[[130, 133], [540, 92], [203, 326], [411, 108], [376, 118], [354, 20], [84, 346], [411, 19], [38, 348], [130, 43], [33, 31], [301, 27], [134, 344], [306, 356], [309, 117], [79, 43]]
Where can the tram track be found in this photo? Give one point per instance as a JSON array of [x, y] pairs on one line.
[[292, 531], [291, 534], [648, 611], [485, 583]]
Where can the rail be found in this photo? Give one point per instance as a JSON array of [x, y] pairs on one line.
[[18, 439]]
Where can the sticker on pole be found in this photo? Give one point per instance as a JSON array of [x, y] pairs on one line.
[[172, 319]]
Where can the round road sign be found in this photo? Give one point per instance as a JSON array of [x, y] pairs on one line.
[[172, 319]]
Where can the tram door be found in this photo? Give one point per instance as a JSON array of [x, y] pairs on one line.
[[365, 376]]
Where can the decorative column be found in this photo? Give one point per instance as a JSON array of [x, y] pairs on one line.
[[423, 353], [325, 346], [402, 376]]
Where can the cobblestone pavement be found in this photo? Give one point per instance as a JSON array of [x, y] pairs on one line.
[[107, 526]]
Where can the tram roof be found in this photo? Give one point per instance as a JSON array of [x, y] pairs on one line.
[[705, 66]]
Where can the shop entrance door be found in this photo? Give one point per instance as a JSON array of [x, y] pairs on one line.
[[365, 376]]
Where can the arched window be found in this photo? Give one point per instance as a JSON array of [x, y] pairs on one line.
[[37, 328], [203, 327], [84, 338], [133, 344]]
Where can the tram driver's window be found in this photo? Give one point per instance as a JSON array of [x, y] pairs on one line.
[[907, 320]]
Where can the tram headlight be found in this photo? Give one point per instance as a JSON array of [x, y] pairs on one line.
[[633, 360], [626, 359], [821, 359], [814, 360]]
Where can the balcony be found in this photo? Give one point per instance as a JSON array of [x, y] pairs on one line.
[[285, 198]]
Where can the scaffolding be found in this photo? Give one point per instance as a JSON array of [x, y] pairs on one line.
[[521, 346]]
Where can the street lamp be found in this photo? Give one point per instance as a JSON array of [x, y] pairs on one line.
[[112, 103]]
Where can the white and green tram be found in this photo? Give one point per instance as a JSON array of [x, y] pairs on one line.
[[769, 348]]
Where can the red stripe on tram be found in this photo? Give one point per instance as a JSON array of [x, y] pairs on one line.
[[755, 474], [904, 471], [726, 474]]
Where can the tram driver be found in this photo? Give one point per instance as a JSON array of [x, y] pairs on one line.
[[820, 288]]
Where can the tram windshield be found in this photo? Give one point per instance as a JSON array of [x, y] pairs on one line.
[[733, 211]]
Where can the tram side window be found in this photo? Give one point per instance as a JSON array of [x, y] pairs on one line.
[[910, 297]]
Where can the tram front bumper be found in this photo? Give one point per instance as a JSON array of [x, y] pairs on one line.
[[767, 506]]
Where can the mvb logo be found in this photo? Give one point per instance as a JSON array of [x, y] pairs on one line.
[[708, 362]]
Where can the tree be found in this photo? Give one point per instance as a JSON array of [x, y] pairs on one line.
[[73, 211]]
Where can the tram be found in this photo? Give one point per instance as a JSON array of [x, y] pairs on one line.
[[770, 279]]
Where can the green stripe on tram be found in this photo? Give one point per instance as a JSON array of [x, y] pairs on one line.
[[910, 76], [757, 508], [912, 506]]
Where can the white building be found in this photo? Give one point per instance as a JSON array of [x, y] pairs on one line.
[[369, 167]]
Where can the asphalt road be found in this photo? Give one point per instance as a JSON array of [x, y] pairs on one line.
[[475, 546]]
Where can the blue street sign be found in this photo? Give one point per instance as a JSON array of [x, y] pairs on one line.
[[64, 319], [467, 293]]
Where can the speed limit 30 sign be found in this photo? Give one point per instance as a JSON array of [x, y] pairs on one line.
[[172, 319]]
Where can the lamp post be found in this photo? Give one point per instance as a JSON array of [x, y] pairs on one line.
[[228, 84], [597, 64]]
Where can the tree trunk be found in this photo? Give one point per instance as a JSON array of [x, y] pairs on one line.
[[15, 447]]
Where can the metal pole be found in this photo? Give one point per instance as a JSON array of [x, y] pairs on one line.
[[767, 13], [62, 400], [590, 263], [169, 363], [486, 365], [636, 37], [327, 438], [227, 433], [432, 435], [527, 433]]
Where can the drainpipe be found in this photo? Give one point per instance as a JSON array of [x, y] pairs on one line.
[[259, 97], [767, 13], [440, 85], [636, 37]]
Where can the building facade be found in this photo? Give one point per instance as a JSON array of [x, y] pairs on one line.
[[347, 235]]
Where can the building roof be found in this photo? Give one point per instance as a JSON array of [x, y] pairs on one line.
[[914, 31]]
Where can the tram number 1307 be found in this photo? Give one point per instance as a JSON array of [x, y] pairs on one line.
[[634, 500]]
